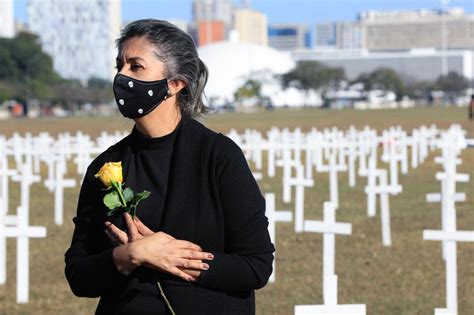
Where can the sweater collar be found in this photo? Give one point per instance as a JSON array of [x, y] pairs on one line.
[[140, 141]]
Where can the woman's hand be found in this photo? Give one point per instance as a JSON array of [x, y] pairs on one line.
[[135, 230], [156, 250], [179, 257]]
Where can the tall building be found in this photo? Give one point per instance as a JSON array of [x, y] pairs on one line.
[[7, 22], [213, 10], [326, 34], [288, 37], [404, 30], [400, 31], [340, 35], [251, 26], [78, 34], [210, 32], [213, 13], [350, 35]]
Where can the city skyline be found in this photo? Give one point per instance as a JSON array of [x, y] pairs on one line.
[[277, 11]]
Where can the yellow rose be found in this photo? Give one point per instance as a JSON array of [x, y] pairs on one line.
[[110, 171]]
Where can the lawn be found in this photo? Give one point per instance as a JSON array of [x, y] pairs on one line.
[[406, 278]]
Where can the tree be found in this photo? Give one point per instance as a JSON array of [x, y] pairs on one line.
[[452, 82], [383, 78], [21, 59], [250, 89], [26, 72], [313, 75]]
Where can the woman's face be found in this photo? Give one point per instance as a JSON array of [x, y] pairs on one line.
[[138, 60]]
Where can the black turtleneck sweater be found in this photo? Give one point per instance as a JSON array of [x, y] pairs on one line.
[[202, 191], [148, 170]]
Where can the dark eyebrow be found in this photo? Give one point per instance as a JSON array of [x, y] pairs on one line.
[[130, 59]]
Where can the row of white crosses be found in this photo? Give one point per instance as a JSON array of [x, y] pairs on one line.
[[17, 225], [451, 144], [333, 151], [20, 161], [395, 142]]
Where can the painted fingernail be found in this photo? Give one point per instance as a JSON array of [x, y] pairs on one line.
[[205, 266], [210, 256], [107, 223]]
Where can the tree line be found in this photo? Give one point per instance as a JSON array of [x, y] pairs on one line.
[[313, 75], [27, 73]]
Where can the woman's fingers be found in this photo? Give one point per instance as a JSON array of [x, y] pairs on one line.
[[133, 233], [116, 235], [196, 255], [177, 272], [112, 238], [191, 272], [192, 264], [187, 245], [142, 228]]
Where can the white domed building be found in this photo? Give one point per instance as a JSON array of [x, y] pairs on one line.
[[232, 63]]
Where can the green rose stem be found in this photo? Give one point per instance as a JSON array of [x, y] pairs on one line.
[[118, 187], [165, 298]]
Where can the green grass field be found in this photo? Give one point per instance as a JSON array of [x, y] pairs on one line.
[[406, 278]]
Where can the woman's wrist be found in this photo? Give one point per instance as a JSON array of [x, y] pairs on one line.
[[134, 254], [125, 258]]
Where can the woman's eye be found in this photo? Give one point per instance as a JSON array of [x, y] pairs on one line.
[[136, 66]]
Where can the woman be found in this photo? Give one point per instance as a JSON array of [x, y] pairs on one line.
[[199, 244]]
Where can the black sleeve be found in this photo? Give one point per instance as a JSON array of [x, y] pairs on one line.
[[90, 269], [247, 261]]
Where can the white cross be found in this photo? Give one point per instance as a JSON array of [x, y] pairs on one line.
[[22, 231], [272, 145], [333, 168], [383, 189], [58, 184], [329, 227], [274, 216], [300, 182], [287, 163], [452, 143], [449, 237]]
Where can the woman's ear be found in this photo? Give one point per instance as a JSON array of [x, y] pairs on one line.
[[174, 86]]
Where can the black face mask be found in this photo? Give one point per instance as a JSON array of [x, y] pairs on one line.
[[136, 98]]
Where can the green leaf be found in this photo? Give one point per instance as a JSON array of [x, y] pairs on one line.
[[127, 194], [111, 212], [112, 200], [139, 197]]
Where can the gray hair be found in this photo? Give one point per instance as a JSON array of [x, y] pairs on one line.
[[177, 51]]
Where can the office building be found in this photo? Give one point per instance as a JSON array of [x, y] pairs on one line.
[[326, 35], [213, 10], [212, 19], [400, 30], [79, 35], [288, 37], [7, 23], [210, 32], [251, 26], [404, 30]]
